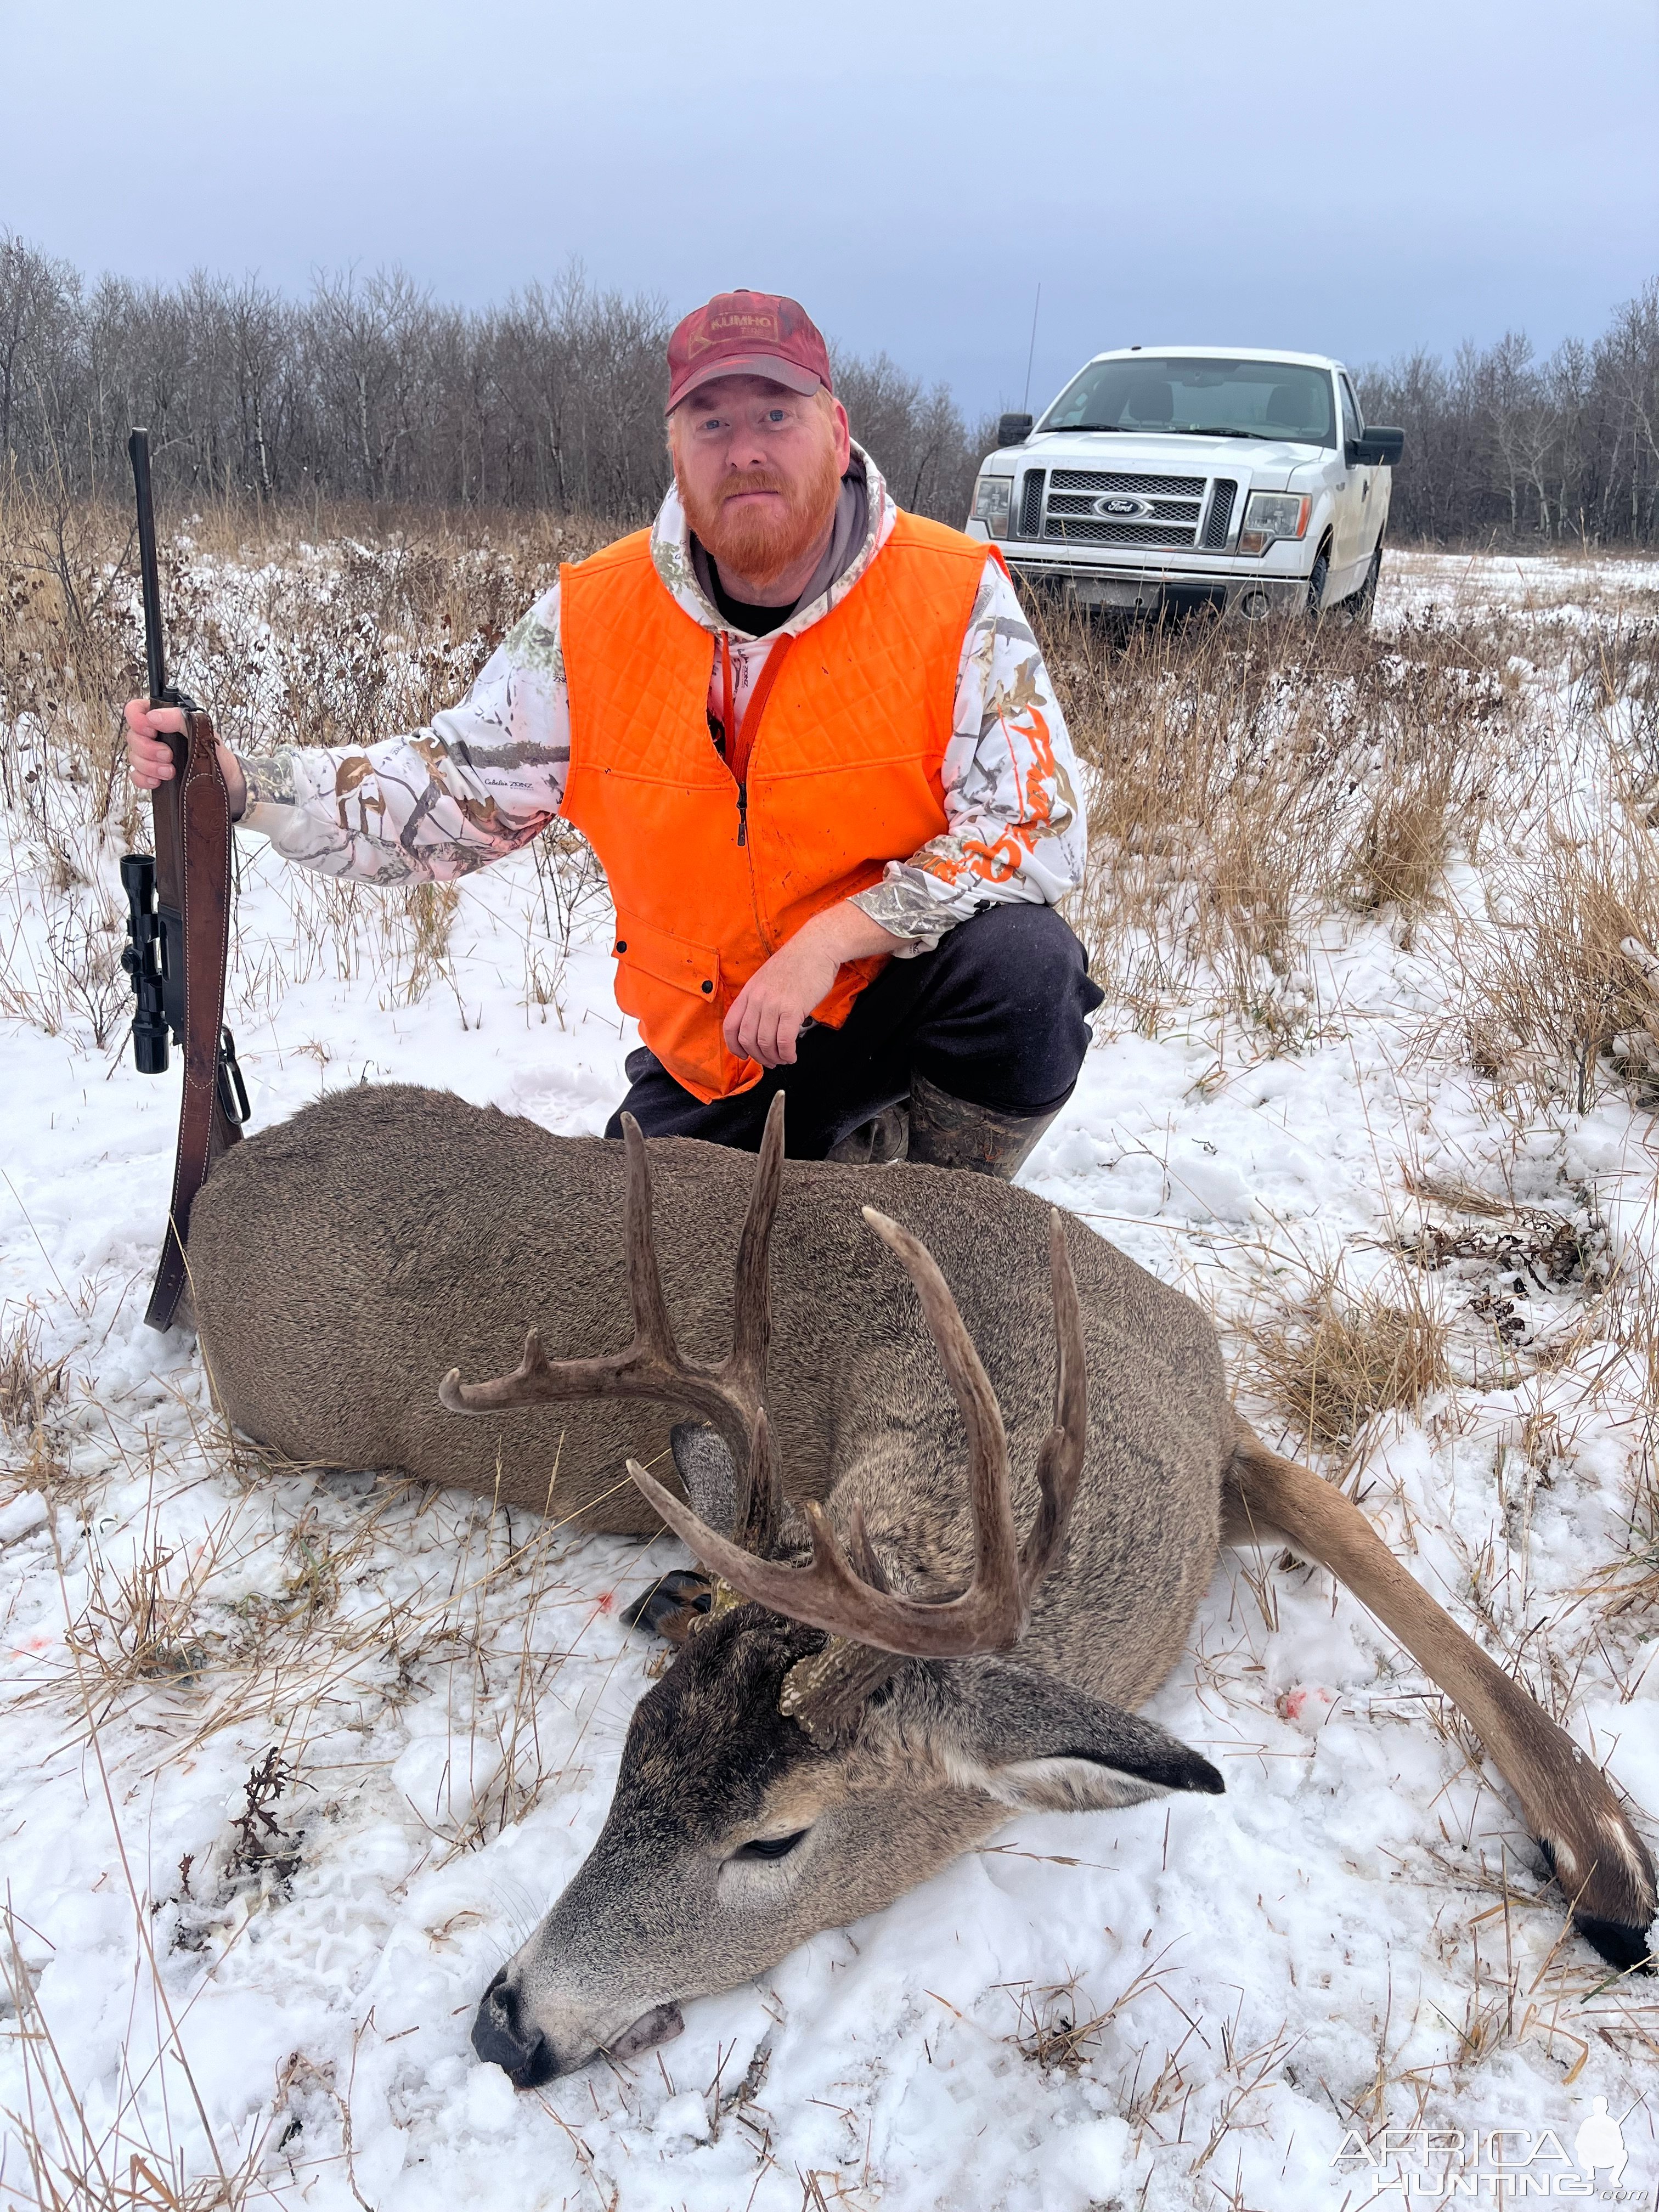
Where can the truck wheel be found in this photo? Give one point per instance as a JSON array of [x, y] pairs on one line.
[[1317, 580]]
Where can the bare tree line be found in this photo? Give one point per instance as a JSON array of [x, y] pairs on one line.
[[370, 389], [1499, 443]]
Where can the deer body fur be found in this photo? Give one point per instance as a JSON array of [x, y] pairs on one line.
[[342, 1262], [393, 1233]]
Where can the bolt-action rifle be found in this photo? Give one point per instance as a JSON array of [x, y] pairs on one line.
[[178, 929]]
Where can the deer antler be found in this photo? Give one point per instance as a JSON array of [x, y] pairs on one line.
[[849, 1598], [729, 1397], [991, 1613]]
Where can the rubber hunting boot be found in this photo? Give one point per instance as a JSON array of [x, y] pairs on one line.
[[950, 1133]]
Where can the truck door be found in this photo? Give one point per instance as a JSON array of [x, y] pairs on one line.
[[1356, 522]]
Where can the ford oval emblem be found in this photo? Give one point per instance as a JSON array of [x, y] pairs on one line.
[[1119, 505]]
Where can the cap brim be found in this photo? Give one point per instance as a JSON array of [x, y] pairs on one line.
[[789, 373]]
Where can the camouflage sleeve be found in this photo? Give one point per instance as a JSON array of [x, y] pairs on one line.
[[1016, 828], [483, 780]]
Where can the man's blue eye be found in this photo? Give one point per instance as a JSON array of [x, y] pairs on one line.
[[776, 415]]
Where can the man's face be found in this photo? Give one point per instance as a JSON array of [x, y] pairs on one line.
[[758, 469]]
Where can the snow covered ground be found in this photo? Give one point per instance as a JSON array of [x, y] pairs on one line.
[[290, 1765]]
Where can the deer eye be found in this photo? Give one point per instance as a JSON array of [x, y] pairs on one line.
[[769, 1847]]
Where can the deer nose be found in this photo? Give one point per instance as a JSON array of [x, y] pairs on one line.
[[500, 2037]]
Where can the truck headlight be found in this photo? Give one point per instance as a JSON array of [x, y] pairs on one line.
[[1271, 516], [992, 497]]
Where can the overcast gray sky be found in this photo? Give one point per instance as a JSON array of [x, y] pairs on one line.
[[1354, 177]]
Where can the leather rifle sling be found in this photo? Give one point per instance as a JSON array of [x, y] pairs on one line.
[[192, 877]]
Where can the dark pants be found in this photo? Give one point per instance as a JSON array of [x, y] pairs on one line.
[[996, 1016]]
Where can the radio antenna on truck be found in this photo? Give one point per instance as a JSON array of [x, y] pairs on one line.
[[1026, 404]]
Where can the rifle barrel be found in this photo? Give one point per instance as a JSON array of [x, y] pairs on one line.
[[155, 649]]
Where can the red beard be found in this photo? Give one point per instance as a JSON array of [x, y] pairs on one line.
[[761, 543]]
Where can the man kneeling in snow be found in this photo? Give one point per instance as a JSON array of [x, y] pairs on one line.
[[811, 738]]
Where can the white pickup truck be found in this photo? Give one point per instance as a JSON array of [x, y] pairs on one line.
[[1193, 476]]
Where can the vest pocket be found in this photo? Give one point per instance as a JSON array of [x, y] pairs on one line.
[[671, 986]]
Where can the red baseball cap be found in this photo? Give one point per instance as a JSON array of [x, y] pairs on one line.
[[747, 334]]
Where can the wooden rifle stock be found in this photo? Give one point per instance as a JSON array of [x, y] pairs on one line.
[[192, 902]]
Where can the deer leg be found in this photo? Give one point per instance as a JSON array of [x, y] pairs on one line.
[[673, 1605], [682, 1597], [1593, 1850]]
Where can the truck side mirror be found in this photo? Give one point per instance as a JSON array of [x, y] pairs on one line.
[[1013, 429], [1378, 448]]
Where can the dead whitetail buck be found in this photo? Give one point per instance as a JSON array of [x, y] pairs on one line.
[[851, 1713]]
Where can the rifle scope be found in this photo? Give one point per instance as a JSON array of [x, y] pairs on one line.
[[143, 959]]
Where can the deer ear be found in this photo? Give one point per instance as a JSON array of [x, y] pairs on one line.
[[709, 1477], [704, 1466], [1042, 1747]]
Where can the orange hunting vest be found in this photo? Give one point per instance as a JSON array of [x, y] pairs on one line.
[[710, 877]]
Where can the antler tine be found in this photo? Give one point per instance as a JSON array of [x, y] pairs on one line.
[[651, 1365], [830, 1594], [457, 1397], [1060, 1462], [648, 1366], [652, 1330], [996, 1576], [865, 1557], [752, 1317], [826, 1690], [757, 1522]]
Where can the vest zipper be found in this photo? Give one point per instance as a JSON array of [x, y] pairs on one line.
[[729, 740], [739, 742]]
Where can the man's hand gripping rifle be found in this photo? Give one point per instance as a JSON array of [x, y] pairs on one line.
[[178, 928]]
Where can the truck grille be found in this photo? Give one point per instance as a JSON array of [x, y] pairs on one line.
[[1221, 512], [1087, 531], [1174, 505], [1102, 480], [1062, 505]]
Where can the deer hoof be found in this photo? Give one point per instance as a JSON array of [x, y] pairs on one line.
[[1621, 1946], [1620, 1933], [673, 1606]]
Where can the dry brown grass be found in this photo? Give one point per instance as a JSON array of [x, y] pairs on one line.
[[1412, 823], [30, 1384], [142, 1616], [76, 2162], [1059, 2027], [1568, 989], [314, 628], [33, 1393], [1341, 1356], [346, 626], [76, 981], [1613, 670], [1247, 782], [429, 910]]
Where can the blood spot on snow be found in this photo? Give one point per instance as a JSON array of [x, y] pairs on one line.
[[607, 1601], [1291, 1703]]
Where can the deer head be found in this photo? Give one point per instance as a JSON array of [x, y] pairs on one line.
[[827, 1741]]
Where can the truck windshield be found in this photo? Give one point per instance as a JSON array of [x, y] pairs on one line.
[[1184, 394]]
